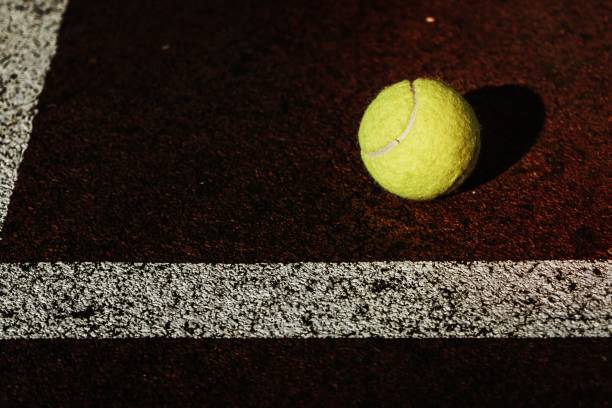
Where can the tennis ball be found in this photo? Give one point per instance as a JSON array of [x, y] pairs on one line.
[[419, 140]]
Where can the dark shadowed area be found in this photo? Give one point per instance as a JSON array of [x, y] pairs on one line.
[[511, 118], [295, 372]]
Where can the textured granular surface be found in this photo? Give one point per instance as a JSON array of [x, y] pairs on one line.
[[196, 133], [28, 36], [222, 131], [310, 372]]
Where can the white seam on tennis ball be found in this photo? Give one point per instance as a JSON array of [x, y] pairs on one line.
[[395, 142]]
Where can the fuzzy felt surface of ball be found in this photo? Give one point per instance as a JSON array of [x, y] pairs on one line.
[[420, 139]]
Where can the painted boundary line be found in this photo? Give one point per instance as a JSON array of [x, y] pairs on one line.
[[395, 299], [28, 34]]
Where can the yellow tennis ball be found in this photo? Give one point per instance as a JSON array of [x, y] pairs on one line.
[[419, 140]]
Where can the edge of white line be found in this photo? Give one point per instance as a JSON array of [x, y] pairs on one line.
[[28, 37]]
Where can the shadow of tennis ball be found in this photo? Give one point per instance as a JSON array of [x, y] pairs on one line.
[[511, 118]]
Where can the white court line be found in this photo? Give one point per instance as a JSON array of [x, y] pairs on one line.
[[396, 299], [28, 35]]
